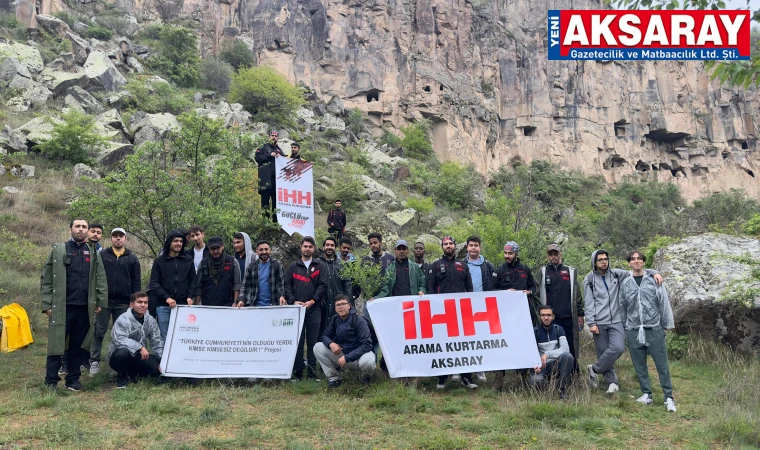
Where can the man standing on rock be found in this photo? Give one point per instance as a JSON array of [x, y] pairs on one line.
[[123, 275], [305, 286], [558, 288], [94, 235], [482, 273], [171, 280], [647, 316], [265, 157], [601, 289], [217, 282], [336, 284], [336, 221], [73, 288], [199, 251], [449, 276]]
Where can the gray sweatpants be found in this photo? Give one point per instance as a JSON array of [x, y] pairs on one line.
[[329, 362], [609, 344], [656, 347]]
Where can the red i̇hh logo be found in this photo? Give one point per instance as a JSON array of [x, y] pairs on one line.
[[191, 318], [449, 317], [293, 196], [649, 35]]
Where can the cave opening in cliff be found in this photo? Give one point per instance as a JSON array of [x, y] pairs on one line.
[[441, 88], [426, 89], [373, 95], [665, 136], [620, 130], [641, 166], [529, 131], [744, 145]]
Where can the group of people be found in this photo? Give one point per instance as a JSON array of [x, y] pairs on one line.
[[85, 286]]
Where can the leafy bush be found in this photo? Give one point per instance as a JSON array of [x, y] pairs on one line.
[[219, 191], [177, 55], [155, 97], [11, 27], [416, 141], [677, 344], [356, 122], [752, 226], [363, 274], [724, 211], [118, 24], [152, 32], [237, 54], [423, 206], [455, 186], [216, 74], [265, 94], [390, 139], [98, 32], [66, 17], [358, 156], [73, 140], [655, 244]]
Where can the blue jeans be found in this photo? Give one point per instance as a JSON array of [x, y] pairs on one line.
[[163, 313]]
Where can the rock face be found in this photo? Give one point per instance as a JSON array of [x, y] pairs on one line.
[[705, 277], [83, 170], [62, 74], [151, 127], [102, 73], [26, 55]]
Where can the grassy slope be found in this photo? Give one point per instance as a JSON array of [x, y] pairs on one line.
[[716, 391]]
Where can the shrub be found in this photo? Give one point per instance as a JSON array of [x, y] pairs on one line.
[[237, 54], [358, 156], [98, 32], [216, 74], [152, 32], [66, 17], [266, 94], [455, 186], [423, 206], [73, 140], [724, 211], [11, 27], [752, 226], [390, 139], [655, 244], [177, 55], [363, 274], [356, 122], [155, 97], [119, 25], [416, 141]]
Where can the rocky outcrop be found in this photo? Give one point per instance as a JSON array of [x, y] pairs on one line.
[[376, 191], [83, 170], [711, 287], [102, 73], [82, 101], [23, 171], [151, 127], [62, 74], [401, 221], [25, 54], [11, 67], [53, 25], [12, 140]]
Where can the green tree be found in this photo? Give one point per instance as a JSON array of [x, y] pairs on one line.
[[416, 141], [356, 122], [75, 139], [155, 97], [216, 74], [237, 54], [177, 55], [455, 186], [363, 274], [723, 211], [150, 197], [423, 205], [266, 94], [743, 73]]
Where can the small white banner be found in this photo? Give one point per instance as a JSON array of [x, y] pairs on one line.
[[295, 196], [222, 342], [445, 334]]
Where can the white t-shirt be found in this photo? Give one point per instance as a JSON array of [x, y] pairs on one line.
[[198, 257], [307, 263]]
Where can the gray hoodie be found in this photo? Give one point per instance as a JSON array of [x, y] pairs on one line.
[[602, 294], [250, 256]]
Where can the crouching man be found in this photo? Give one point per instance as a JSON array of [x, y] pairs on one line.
[[127, 354], [556, 359], [346, 344]]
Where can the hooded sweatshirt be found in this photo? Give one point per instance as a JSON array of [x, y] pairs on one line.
[[645, 306], [171, 277], [602, 293], [249, 256]]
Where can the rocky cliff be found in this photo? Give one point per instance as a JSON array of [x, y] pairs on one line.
[[478, 70]]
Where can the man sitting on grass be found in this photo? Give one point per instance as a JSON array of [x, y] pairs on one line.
[[556, 358], [127, 354], [346, 344]]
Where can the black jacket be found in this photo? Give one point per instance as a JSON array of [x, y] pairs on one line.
[[351, 333], [123, 275], [515, 276], [302, 284], [267, 169], [336, 219], [170, 277], [335, 283], [448, 276], [221, 293]]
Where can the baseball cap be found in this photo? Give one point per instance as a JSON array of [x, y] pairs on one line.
[[118, 230], [215, 241], [274, 133], [401, 242], [553, 248]]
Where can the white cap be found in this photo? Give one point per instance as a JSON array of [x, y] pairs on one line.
[[118, 230]]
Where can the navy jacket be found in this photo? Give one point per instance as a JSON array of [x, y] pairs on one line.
[[351, 333]]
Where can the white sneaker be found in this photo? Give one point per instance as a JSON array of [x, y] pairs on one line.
[[456, 377], [440, 386], [481, 376], [645, 399], [613, 388], [468, 384], [670, 405], [94, 368], [592, 376]]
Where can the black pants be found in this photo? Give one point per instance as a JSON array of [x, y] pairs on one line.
[[337, 232], [125, 363], [102, 319], [465, 376], [269, 203], [310, 334], [77, 327], [567, 324]]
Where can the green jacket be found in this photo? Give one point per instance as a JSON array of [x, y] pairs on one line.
[[416, 280], [53, 295]]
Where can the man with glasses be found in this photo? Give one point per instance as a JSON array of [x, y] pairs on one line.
[[556, 358], [601, 289], [647, 316], [346, 345]]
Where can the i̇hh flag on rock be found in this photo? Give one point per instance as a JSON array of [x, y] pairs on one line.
[[295, 196]]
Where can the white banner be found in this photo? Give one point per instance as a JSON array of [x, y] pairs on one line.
[[222, 342], [295, 196], [445, 334]]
